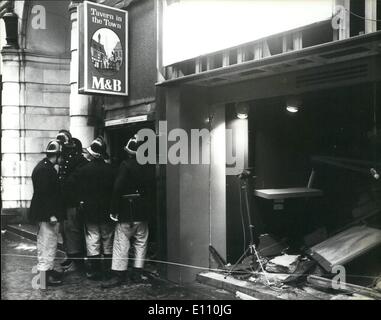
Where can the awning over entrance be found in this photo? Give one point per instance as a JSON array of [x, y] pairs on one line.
[[327, 54]]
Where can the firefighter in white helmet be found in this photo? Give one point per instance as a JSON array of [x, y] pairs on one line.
[[132, 205], [47, 210], [92, 185]]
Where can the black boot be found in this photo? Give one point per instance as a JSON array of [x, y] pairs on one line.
[[94, 268], [116, 279], [107, 262], [53, 278], [79, 260], [136, 275], [69, 263]]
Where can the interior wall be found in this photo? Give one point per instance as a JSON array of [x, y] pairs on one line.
[[340, 123], [278, 142], [237, 233]]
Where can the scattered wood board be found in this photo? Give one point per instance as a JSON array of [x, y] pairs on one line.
[[345, 246], [345, 287], [301, 272], [283, 264], [274, 279], [217, 258], [244, 296], [255, 290], [270, 247]]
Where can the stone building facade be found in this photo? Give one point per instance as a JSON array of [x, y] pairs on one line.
[[40, 90]]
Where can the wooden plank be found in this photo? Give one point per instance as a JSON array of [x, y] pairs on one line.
[[346, 287], [233, 285], [255, 290], [345, 246], [287, 193], [244, 296], [301, 272], [216, 256]]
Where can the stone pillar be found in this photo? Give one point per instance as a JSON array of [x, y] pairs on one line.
[[14, 189], [82, 119], [173, 104], [188, 189], [12, 140]]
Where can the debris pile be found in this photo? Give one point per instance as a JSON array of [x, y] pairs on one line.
[[318, 271], [283, 264]]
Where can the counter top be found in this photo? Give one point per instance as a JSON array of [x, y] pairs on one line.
[[288, 193]]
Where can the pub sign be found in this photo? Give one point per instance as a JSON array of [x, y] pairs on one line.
[[102, 51]]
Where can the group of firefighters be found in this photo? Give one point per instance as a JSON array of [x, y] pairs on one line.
[[99, 211]]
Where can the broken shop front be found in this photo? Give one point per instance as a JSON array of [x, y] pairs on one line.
[[307, 126]]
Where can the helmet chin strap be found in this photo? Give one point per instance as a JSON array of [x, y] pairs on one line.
[[56, 161]]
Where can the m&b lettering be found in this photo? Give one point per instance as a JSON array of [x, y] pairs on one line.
[[106, 84]]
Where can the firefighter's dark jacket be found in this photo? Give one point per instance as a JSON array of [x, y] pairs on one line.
[[70, 163], [133, 178], [47, 198], [92, 185], [74, 162]]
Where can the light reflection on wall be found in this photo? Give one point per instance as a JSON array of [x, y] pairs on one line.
[[2, 41], [194, 27]]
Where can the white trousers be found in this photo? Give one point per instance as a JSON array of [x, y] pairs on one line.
[[98, 237], [123, 233], [47, 240]]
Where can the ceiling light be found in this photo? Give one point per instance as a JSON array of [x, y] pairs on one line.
[[293, 104], [292, 109], [242, 110]]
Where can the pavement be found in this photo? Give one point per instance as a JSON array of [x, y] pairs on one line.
[[18, 259]]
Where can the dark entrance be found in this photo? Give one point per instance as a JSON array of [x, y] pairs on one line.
[[336, 134], [118, 138]]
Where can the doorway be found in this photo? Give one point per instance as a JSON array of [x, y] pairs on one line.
[[117, 139]]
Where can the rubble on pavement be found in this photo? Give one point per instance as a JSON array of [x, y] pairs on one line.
[[306, 273]]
